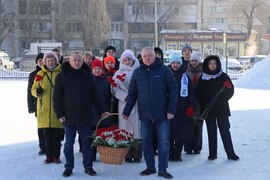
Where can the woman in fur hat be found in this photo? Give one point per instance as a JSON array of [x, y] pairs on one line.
[[43, 88]]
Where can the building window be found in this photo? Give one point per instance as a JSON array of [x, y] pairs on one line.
[[74, 27], [217, 21], [121, 27], [117, 27], [41, 26], [112, 27], [176, 10], [22, 25], [141, 28], [22, 7], [217, 9], [137, 9]]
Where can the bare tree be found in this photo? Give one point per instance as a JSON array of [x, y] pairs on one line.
[[60, 10], [95, 22], [6, 20], [249, 9], [27, 25]]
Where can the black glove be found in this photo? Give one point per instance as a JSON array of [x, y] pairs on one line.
[[39, 91]]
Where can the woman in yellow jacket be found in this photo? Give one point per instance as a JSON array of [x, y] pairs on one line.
[[43, 89]]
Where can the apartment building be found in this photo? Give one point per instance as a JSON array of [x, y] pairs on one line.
[[201, 23]]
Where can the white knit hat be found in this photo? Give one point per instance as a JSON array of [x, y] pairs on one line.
[[196, 56], [127, 53]]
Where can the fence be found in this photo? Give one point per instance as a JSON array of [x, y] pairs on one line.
[[27, 64]]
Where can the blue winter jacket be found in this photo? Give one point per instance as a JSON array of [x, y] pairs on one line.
[[155, 90]]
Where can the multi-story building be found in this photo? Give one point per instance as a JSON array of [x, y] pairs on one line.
[[201, 23]]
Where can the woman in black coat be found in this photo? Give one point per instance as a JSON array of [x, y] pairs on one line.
[[209, 85], [181, 125]]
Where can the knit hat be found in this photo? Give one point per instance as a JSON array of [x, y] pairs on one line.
[[110, 47], [96, 63], [186, 47], [176, 58], [127, 54], [50, 54], [196, 56], [39, 56], [109, 59]]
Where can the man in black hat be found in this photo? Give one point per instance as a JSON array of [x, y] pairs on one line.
[[32, 101]]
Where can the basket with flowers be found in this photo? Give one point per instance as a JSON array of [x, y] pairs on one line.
[[113, 144]]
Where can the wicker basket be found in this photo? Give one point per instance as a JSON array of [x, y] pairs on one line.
[[111, 155]]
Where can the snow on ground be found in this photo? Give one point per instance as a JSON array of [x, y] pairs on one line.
[[250, 108]]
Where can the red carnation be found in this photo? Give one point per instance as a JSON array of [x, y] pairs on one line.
[[38, 77], [227, 84], [190, 112], [111, 81]]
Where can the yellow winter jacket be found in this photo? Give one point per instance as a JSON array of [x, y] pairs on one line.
[[45, 113]]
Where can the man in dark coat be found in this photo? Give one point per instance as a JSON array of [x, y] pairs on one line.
[[32, 101], [208, 92], [75, 98], [154, 88]]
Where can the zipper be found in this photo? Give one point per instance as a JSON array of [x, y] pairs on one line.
[[50, 118], [150, 92]]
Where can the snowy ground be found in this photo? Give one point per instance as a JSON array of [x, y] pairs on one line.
[[250, 108]]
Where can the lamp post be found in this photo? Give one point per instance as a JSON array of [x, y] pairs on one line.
[[156, 29], [225, 49]]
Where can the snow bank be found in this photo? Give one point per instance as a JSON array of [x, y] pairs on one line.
[[256, 78]]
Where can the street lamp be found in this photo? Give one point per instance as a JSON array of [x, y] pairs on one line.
[[225, 49], [156, 29]]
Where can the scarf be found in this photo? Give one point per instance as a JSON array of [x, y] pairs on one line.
[[184, 86], [209, 76]]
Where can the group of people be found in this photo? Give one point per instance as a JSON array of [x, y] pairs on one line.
[[163, 104]]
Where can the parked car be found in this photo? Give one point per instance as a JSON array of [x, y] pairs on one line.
[[256, 58], [5, 61], [245, 61], [233, 66]]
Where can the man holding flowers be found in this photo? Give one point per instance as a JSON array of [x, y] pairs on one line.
[[213, 92]]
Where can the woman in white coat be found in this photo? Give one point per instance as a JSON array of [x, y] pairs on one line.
[[128, 63]]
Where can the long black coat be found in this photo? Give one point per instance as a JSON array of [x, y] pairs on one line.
[[31, 100], [104, 91], [207, 89], [75, 96], [181, 124]]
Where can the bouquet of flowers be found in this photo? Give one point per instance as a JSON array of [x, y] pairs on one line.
[[113, 137], [227, 85]]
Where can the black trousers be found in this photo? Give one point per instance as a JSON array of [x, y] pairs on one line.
[[176, 147], [224, 128], [135, 153], [53, 137], [41, 139], [196, 142]]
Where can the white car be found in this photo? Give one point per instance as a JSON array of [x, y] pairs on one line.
[[233, 66], [5, 61]]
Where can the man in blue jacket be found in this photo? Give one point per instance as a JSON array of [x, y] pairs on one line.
[[154, 88]]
